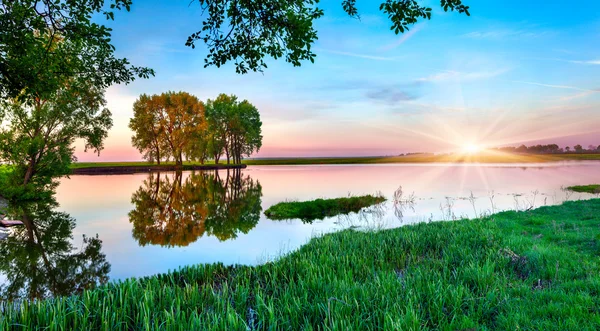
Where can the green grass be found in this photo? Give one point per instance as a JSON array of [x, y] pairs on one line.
[[533, 270], [594, 189], [309, 211], [81, 165], [423, 158]]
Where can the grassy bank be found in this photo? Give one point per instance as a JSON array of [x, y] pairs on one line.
[[309, 211], [420, 158], [514, 270], [594, 189]]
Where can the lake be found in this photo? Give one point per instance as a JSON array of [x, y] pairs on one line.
[[153, 223]]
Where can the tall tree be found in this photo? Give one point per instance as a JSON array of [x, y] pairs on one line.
[[217, 112], [165, 125], [246, 32], [245, 131], [38, 138], [181, 116], [55, 64], [234, 126], [147, 130]]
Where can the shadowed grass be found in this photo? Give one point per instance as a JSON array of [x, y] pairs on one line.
[[309, 211], [533, 270], [594, 189]]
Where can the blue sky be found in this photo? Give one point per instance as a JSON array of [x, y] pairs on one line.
[[514, 71]]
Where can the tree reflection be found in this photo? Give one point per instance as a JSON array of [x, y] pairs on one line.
[[171, 211], [39, 259]]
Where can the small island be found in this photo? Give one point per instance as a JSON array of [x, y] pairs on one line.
[[309, 211], [593, 189]]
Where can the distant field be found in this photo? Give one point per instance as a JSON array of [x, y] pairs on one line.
[[424, 158]]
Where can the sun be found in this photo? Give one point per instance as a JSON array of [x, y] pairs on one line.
[[472, 149]]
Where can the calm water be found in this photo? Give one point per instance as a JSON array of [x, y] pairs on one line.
[[153, 223]]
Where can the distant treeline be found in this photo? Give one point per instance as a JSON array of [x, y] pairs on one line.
[[178, 125], [549, 149]]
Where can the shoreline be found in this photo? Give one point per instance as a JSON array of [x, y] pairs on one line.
[[141, 166], [508, 262], [129, 169]]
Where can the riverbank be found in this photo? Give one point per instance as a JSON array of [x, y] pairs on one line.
[[417, 158], [128, 168], [536, 269]]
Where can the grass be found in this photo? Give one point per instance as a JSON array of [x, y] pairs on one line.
[[533, 270], [594, 189], [419, 158], [82, 165], [309, 211]]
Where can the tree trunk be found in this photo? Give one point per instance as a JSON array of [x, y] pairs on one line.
[[29, 172], [227, 152]]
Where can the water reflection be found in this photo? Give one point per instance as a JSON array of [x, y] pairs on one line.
[[39, 259], [172, 211]]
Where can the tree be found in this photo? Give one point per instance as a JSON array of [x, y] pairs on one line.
[[234, 128], [181, 116], [567, 149], [165, 125], [216, 116], [578, 148], [148, 133], [248, 31], [245, 132], [38, 139], [55, 64], [33, 63]]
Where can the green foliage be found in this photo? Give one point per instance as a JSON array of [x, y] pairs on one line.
[[534, 270], [37, 142], [246, 32], [594, 188], [234, 128], [255, 29], [309, 211], [42, 43], [55, 64]]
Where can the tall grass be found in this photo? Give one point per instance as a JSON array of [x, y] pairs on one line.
[[529, 270]]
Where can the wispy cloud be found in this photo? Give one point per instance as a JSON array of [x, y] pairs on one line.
[[576, 96], [504, 33], [588, 62], [359, 55], [463, 76], [566, 87], [389, 95], [596, 62], [405, 37]]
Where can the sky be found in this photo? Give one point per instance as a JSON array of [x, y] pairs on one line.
[[513, 72]]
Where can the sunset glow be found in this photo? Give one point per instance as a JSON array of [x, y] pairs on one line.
[[472, 148], [503, 78]]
